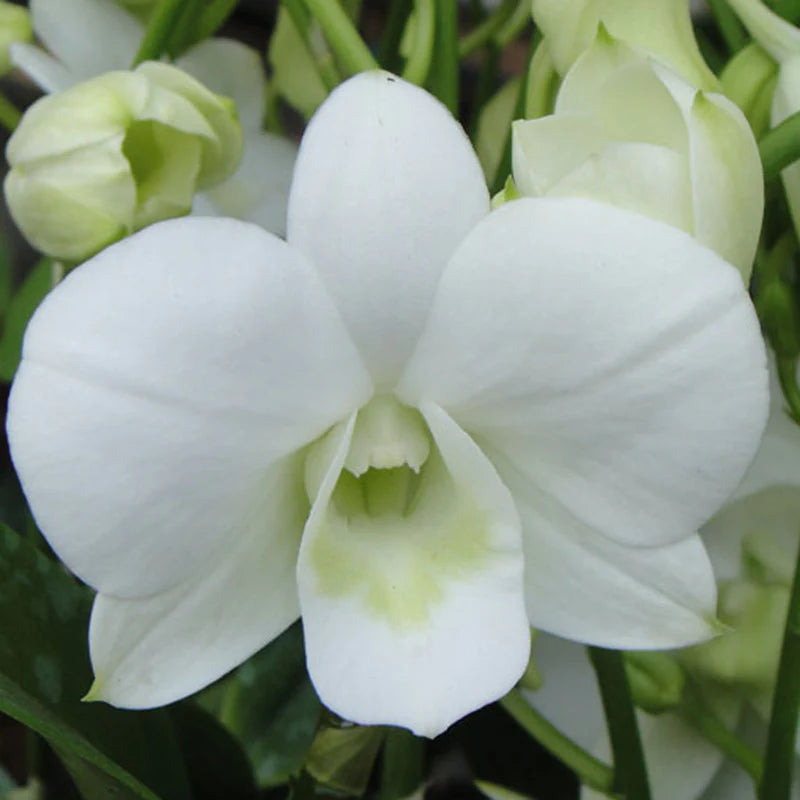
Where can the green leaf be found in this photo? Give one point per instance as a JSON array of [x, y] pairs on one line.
[[44, 671], [216, 764], [343, 758], [19, 310], [271, 707]]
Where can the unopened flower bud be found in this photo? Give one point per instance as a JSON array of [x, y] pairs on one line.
[[662, 30], [749, 80], [629, 132], [15, 26], [656, 680], [746, 658], [114, 154]]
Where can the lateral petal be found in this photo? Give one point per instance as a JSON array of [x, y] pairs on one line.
[[617, 363], [158, 384]]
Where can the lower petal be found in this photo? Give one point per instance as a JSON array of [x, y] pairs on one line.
[[416, 619], [156, 650]]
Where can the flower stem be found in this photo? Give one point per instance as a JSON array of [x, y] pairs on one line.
[[419, 61], [345, 41], [731, 30], [780, 147], [444, 77], [159, 29], [630, 771], [707, 723], [787, 377], [10, 115], [481, 35], [322, 59], [779, 757], [396, 19], [589, 769], [504, 167]]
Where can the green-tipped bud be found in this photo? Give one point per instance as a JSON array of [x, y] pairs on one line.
[[15, 26], [627, 131], [749, 80], [109, 156], [662, 30], [746, 658], [656, 680]]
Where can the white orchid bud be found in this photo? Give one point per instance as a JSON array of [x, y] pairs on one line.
[[782, 42], [660, 28], [114, 154], [15, 26], [628, 131]]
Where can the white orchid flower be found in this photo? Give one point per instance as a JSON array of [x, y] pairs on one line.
[[765, 511], [423, 426], [259, 189], [628, 131]]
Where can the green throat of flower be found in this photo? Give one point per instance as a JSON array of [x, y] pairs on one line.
[[397, 529]]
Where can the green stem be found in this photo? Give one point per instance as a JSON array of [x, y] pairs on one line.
[[159, 29], [715, 731], [10, 115], [787, 377], [484, 87], [419, 61], [487, 29], [519, 20], [504, 167], [322, 60], [396, 19], [401, 772], [345, 41], [589, 769], [630, 770], [731, 30], [444, 75], [779, 757], [780, 147]]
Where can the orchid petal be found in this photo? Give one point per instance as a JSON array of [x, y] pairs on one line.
[[613, 360], [547, 149], [727, 180], [46, 72], [588, 588], [358, 210], [668, 741], [420, 623], [152, 651], [259, 189], [159, 382], [649, 179], [233, 69], [65, 27]]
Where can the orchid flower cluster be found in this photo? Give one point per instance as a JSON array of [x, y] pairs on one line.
[[358, 392]]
